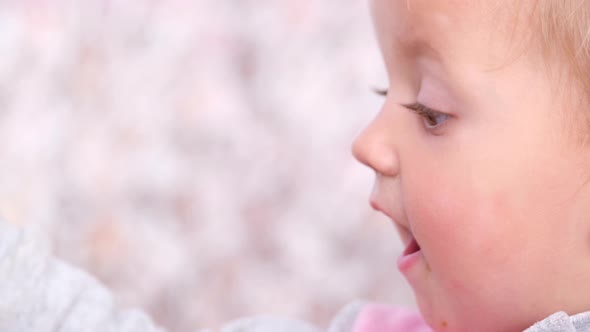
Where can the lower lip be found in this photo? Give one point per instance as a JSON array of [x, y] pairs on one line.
[[405, 262]]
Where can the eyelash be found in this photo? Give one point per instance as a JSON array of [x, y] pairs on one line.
[[429, 116]]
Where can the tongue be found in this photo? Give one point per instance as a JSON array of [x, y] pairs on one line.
[[412, 247]]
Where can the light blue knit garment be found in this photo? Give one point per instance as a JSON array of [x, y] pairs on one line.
[[561, 322], [39, 293]]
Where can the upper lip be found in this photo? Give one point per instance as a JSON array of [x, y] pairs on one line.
[[377, 206], [403, 228]]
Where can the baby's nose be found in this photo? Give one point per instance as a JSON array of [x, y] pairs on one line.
[[374, 147]]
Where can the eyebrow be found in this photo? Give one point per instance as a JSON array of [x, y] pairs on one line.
[[419, 46], [423, 52]]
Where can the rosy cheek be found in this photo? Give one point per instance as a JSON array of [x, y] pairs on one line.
[[436, 215], [456, 224]]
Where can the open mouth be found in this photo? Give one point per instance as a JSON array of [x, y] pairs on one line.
[[410, 256], [411, 248], [408, 239]]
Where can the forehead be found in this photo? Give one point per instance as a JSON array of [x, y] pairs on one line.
[[428, 26]]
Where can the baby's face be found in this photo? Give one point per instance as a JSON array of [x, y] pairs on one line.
[[491, 184]]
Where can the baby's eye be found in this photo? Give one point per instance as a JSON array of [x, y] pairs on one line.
[[431, 118]]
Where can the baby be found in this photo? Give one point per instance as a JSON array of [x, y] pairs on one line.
[[482, 163], [481, 159]]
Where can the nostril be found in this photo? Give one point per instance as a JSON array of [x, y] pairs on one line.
[[379, 157], [365, 151]]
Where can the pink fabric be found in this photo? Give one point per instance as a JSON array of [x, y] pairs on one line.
[[382, 318]]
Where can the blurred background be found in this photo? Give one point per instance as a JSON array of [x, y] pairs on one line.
[[194, 155]]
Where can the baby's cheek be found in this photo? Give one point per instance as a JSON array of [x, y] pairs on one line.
[[441, 218], [462, 230], [467, 245]]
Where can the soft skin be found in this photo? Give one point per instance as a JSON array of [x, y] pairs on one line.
[[496, 195]]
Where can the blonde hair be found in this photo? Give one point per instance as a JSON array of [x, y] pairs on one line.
[[560, 30], [564, 34]]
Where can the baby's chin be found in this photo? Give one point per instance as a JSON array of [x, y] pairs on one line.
[[442, 319], [453, 316], [438, 321], [445, 317]]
